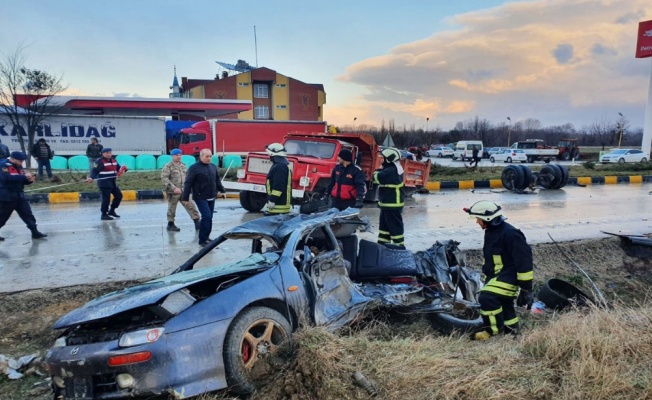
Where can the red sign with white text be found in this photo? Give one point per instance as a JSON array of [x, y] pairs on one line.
[[644, 42]]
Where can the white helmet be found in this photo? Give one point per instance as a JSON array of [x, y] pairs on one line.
[[276, 149], [391, 154], [485, 210]]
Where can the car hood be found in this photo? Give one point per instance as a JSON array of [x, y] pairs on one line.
[[154, 291]]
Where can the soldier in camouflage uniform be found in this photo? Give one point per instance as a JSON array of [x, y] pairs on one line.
[[173, 176]]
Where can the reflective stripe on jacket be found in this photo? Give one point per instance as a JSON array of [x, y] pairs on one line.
[[107, 169]]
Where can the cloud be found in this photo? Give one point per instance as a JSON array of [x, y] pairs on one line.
[[572, 54]]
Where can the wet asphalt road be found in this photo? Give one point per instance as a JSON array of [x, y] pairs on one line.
[[81, 249]]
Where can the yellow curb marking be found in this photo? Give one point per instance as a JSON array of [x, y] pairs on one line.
[[65, 197]]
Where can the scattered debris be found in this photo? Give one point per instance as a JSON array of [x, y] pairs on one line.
[[365, 383], [26, 365]]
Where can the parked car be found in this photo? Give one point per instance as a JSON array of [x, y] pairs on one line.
[[440, 152], [509, 155], [205, 326], [624, 156], [404, 153], [494, 150]]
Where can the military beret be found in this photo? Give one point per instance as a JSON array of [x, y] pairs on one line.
[[18, 155]]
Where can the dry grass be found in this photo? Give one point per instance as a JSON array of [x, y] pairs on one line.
[[583, 354]]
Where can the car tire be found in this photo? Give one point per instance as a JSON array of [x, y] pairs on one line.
[[643, 160], [558, 294], [440, 155], [621, 161], [512, 177], [252, 201], [448, 323], [253, 330], [509, 160], [492, 159], [565, 174]]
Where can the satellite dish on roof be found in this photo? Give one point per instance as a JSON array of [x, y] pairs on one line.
[[240, 66]]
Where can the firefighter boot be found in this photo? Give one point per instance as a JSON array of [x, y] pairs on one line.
[[112, 213], [196, 221], [172, 227], [105, 217], [36, 234]]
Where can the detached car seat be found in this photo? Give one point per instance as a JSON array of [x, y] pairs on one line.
[[379, 261]]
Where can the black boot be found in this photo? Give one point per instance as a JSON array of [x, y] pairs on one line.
[[113, 214], [36, 234], [172, 227], [196, 221], [1, 238], [105, 217]]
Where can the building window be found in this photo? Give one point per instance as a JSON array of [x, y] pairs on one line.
[[282, 106], [261, 112], [260, 91]]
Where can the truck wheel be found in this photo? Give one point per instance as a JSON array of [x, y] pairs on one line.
[[512, 177], [252, 201], [530, 159], [254, 334], [564, 175], [549, 176], [528, 177], [565, 156], [576, 154]]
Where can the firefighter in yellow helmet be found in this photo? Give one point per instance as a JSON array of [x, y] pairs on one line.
[[279, 181], [507, 269], [390, 198]]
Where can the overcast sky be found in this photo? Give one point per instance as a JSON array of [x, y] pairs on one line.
[[558, 61]]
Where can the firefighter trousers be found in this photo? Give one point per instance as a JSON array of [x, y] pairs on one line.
[[391, 226], [498, 313]]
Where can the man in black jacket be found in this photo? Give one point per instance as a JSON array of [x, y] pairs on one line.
[[106, 170], [390, 198], [12, 196], [507, 268], [43, 154], [93, 151], [203, 181], [279, 181], [347, 186]]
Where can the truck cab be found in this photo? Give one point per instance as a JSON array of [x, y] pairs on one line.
[[312, 157]]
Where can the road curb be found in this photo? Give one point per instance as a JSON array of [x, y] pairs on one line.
[[132, 195], [581, 181], [76, 197]]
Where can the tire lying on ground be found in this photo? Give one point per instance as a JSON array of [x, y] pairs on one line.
[[558, 294], [513, 178], [550, 176], [528, 176], [450, 323]]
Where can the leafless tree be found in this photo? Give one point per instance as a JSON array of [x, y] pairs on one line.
[[33, 84]]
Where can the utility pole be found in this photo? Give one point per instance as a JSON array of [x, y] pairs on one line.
[[509, 131]]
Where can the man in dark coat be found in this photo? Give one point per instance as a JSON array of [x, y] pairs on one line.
[[93, 151], [106, 171], [12, 196], [43, 154], [347, 186], [203, 182]]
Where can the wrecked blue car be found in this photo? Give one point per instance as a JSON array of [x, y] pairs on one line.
[[203, 327]]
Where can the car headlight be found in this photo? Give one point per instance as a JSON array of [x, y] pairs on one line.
[[60, 342], [241, 174], [137, 338], [304, 181]]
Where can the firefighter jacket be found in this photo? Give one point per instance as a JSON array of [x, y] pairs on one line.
[[507, 260], [390, 186], [173, 175], [347, 183], [279, 185], [202, 181], [108, 169], [12, 181]]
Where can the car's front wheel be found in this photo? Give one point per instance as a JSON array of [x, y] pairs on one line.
[[643, 159], [621, 161], [492, 159], [254, 334]]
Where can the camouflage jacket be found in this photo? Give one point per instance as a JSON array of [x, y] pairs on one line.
[[173, 176]]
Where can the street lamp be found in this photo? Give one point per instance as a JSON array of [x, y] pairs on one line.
[[620, 126], [427, 119], [509, 131], [354, 119]]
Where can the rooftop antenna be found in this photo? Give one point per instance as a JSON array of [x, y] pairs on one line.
[[256, 46]]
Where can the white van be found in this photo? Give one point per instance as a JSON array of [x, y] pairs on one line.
[[464, 149]]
